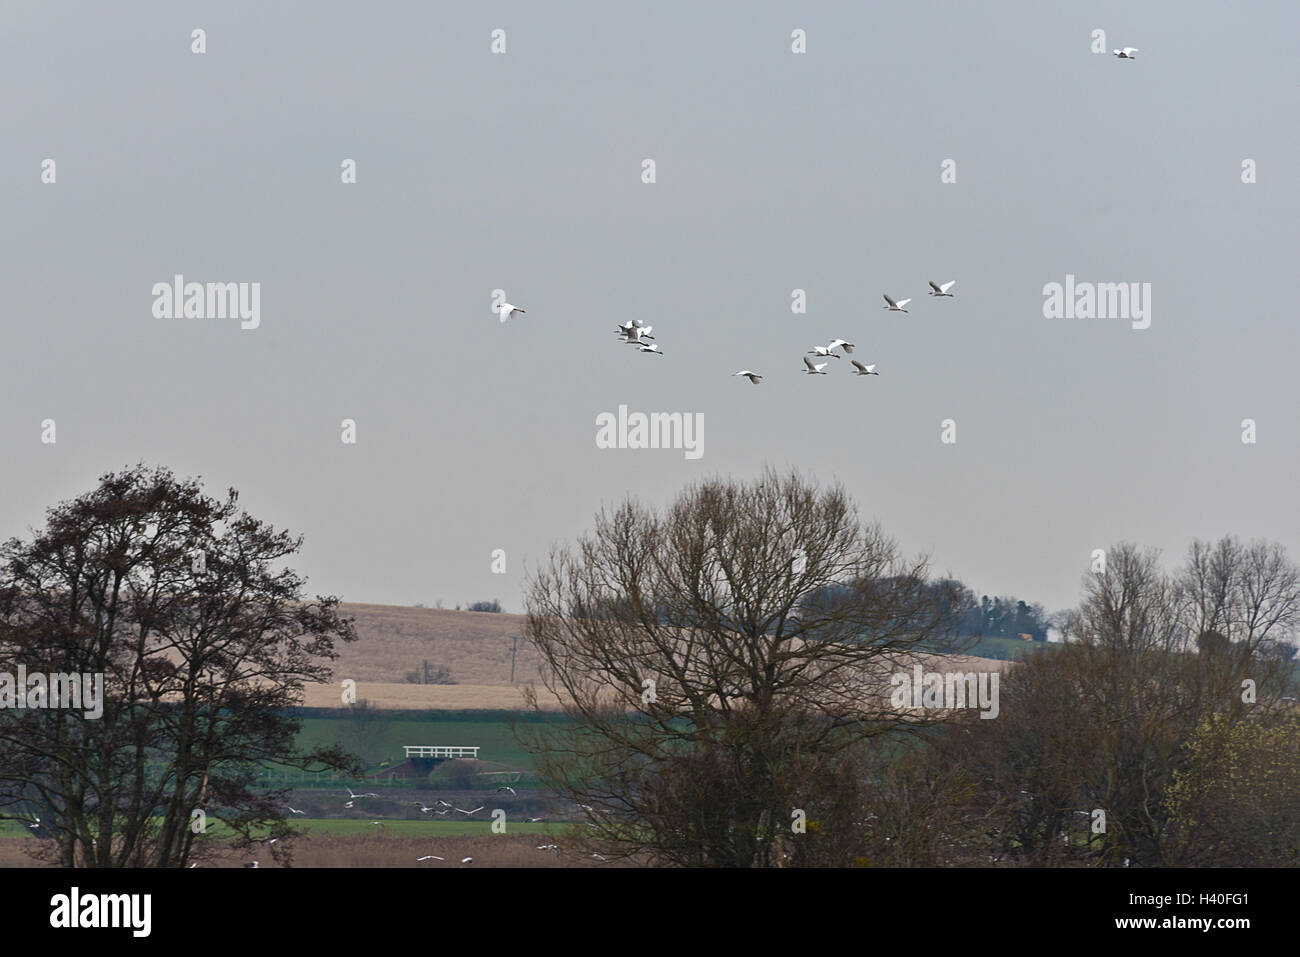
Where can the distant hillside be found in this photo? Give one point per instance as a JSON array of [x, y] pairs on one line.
[[475, 648], [473, 645]]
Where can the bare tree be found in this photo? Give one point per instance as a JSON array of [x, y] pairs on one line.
[[203, 641], [721, 665], [1147, 689], [1249, 594]]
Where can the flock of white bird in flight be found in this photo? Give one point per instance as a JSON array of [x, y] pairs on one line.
[[637, 333], [828, 351], [634, 332]]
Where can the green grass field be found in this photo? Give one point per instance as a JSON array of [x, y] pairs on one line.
[[491, 734], [14, 829]]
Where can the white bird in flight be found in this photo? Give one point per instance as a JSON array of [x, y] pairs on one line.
[[368, 794], [509, 312], [466, 860], [652, 349], [349, 804], [864, 370], [752, 376], [421, 806], [836, 343], [813, 369], [507, 788], [823, 352], [638, 335], [295, 811], [431, 857], [1128, 53], [475, 811], [937, 290], [896, 306]]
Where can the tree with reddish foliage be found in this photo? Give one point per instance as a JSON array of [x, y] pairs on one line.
[[204, 641]]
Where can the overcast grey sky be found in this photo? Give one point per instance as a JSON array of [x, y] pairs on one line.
[[775, 171]]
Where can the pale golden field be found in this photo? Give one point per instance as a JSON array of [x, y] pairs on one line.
[[404, 697], [475, 647]]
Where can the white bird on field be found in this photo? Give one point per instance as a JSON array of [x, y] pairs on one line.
[[509, 312], [653, 350], [431, 857], [752, 376], [1128, 53], [295, 810], [813, 369], [255, 864], [896, 306], [466, 860], [35, 823], [937, 290], [532, 820], [374, 822], [864, 370], [506, 787], [836, 343], [548, 847], [600, 857], [823, 352], [194, 865]]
